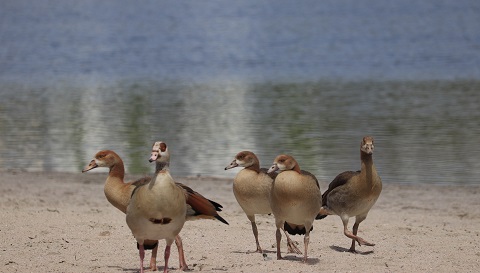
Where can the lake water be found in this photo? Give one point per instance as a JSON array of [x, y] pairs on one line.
[[212, 78]]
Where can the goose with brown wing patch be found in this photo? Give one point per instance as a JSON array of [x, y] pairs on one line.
[[353, 194], [157, 210], [118, 193]]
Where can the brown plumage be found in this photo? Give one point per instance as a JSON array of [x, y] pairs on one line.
[[119, 193], [157, 211], [295, 199], [352, 194], [251, 187], [198, 207]]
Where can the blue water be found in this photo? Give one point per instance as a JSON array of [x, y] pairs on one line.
[[212, 78], [242, 40]]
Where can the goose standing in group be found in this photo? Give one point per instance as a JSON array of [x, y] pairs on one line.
[[119, 193], [251, 187], [352, 194], [157, 211], [198, 207], [295, 200]]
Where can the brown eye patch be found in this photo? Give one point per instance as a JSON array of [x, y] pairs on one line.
[[163, 147]]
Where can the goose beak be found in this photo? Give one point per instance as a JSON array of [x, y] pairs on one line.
[[92, 165], [272, 169], [154, 156], [232, 165], [368, 149]]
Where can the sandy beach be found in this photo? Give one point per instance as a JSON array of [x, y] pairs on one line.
[[62, 222]]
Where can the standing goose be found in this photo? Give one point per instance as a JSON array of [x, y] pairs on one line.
[[251, 187], [352, 194], [118, 193], [198, 207], [295, 200], [157, 210]]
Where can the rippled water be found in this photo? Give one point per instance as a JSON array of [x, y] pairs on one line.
[[424, 131], [212, 78]]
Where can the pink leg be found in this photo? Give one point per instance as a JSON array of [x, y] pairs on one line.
[[181, 255], [153, 260], [354, 236], [166, 256], [278, 236], [255, 233], [306, 240], [355, 229], [141, 251], [292, 248]]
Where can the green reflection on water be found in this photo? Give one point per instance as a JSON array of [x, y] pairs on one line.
[[425, 131]]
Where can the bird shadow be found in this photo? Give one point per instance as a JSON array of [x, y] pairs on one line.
[[342, 249], [253, 252], [146, 268], [310, 261], [119, 268]]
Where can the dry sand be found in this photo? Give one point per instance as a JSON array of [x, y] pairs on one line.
[[61, 222]]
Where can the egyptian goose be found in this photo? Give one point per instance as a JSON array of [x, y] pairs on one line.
[[157, 210], [295, 200], [251, 187], [119, 193], [198, 207], [354, 193]]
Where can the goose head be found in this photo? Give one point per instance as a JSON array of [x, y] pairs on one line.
[[160, 152], [366, 146], [105, 158], [243, 159], [283, 163]]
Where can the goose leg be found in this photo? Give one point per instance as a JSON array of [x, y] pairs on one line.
[[166, 256], [141, 252], [353, 236], [306, 240], [153, 259], [278, 236], [181, 255], [255, 232], [292, 246], [358, 220], [355, 229]]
